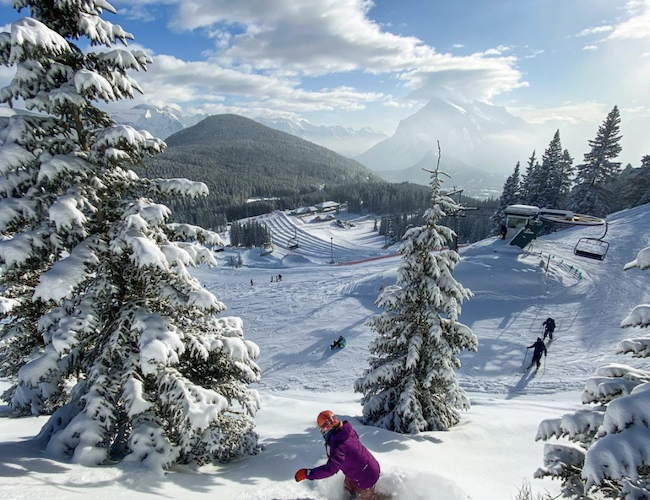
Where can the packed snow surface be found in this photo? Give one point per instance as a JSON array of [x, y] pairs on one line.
[[329, 286]]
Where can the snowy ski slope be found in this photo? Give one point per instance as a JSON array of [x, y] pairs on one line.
[[486, 457]]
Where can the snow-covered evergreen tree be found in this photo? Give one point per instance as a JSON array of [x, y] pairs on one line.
[[105, 326], [591, 193], [529, 184], [636, 188], [611, 455], [510, 195], [411, 383], [561, 180], [553, 175]]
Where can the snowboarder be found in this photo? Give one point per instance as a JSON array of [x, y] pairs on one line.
[[537, 353], [346, 453], [279, 277], [549, 328], [340, 343]]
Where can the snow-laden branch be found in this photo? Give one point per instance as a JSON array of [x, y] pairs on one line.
[[30, 37], [100, 31], [560, 458], [638, 347], [183, 187], [642, 260], [639, 316], [67, 274], [161, 343]]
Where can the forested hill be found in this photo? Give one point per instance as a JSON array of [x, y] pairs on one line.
[[239, 159]]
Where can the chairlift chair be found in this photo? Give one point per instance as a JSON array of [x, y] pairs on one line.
[[592, 248], [292, 244]]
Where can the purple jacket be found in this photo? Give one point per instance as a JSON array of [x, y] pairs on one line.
[[349, 455]]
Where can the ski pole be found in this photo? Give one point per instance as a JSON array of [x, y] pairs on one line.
[[525, 355], [544, 367]]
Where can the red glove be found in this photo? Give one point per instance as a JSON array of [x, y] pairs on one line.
[[301, 475]]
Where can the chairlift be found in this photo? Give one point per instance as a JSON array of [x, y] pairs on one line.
[[292, 244], [592, 248]]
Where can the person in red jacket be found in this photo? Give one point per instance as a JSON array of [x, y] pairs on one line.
[[346, 453]]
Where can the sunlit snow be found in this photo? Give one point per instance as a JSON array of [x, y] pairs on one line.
[[293, 321]]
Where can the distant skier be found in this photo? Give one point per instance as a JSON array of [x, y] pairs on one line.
[[251, 282], [549, 328], [537, 353], [503, 231], [346, 453], [340, 343]]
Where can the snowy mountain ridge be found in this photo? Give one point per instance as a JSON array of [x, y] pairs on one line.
[[344, 140], [471, 131], [159, 121], [165, 121]]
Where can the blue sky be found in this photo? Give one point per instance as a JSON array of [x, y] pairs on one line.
[[556, 63]]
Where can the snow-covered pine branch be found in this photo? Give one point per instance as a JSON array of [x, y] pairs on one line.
[[616, 434], [108, 331]]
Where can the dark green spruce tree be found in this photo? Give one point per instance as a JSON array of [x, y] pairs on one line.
[[511, 195], [592, 192]]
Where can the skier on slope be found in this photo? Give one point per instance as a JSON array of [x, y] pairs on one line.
[[537, 353], [346, 453], [340, 343], [549, 328]]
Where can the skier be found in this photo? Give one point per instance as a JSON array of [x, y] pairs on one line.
[[346, 453], [340, 342], [537, 353], [549, 328]]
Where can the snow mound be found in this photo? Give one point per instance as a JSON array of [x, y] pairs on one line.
[[293, 260]]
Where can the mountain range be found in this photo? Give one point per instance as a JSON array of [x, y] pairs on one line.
[[239, 159], [463, 130], [159, 121], [474, 182], [471, 135], [344, 140], [164, 121]]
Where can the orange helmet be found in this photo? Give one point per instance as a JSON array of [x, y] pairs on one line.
[[326, 421]]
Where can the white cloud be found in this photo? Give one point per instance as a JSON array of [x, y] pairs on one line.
[[458, 46], [638, 26], [588, 112], [291, 38], [170, 79], [595, 31], [534, 53], [140, 12], [590, 47]]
